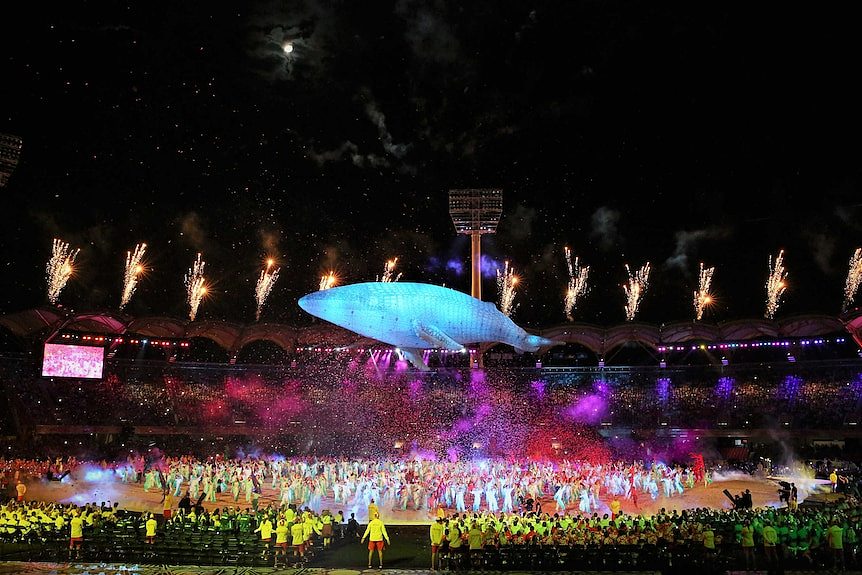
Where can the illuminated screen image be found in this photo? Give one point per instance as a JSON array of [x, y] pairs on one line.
[[72, 361]]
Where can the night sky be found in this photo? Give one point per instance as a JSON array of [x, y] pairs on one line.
[[672, 133]]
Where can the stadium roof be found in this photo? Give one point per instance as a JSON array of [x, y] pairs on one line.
[[45, 323]]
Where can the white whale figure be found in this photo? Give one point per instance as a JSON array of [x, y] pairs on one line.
[[416, 316]]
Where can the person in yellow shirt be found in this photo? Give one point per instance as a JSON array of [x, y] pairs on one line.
[[376, 533], [833, 479], [265, 530], [615, 508], [76, 540], [709, 541], [436, 534], [297, 533], [326, 529], [281, 532], [168, 503], [151, 524]]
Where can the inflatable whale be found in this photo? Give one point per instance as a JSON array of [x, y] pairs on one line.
[[416, 316]]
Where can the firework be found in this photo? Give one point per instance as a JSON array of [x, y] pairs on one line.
[[196, 287], [59, 269], [577, 286], [267, 279], [702, 297], [854, 278], [389, 272], [133, 270], [775, 285], [506, 282], [327, 281], [635, 289]]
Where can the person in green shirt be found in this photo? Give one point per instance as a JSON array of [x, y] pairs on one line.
[[748, 546], [770, 541], [708, 541], [835, 537]]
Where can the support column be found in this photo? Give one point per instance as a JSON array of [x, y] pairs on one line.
[[476, 254]]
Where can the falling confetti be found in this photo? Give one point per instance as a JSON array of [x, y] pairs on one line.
[[389, 272], [59, 269], [506, 283], [854, 278], [134, 268], [702, 297], [775, 285], [577, 286], [635, 289], [267, 279], [195, 287]]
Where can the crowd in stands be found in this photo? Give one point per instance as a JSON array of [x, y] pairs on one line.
[[335, 395]]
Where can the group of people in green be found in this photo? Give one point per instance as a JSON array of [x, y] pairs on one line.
[[826, 536]]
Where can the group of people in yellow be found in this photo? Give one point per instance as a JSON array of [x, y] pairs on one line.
[[21, 519], [294, 530]]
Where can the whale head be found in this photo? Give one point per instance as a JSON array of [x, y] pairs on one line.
[[332, 305]]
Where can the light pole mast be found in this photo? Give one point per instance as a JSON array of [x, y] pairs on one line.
[[475, 212]]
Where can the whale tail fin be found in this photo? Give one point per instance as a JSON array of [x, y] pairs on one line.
[[533, 343]]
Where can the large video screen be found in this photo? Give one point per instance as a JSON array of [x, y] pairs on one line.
[[79, 361]]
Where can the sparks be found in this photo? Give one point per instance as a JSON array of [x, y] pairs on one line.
[[389, 272], [506, 282], [577, 286], [702, 297], [854, 278], [327, 281], [635, 289], [133, 269], [267, 279], [59, 269], [196, 287], [775, 285]]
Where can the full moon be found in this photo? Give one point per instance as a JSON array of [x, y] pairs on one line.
[[288, 47]]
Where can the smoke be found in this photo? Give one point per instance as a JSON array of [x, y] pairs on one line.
[[430, 37], [269, 240], [604, 223], [93, 484], [519, 224], [822, 248], [351, 151], [192, 231], [335, 155], [686, 242], [379, 120]]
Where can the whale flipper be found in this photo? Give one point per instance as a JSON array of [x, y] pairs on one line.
[[414, 356], [435, 336]]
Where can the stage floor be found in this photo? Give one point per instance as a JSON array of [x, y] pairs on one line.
[[132, 497], [21, 568]]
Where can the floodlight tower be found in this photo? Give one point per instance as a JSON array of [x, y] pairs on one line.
[[475, 212]]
